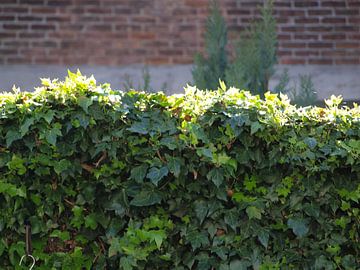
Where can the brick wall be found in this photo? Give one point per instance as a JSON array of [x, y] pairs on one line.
[[120, 32]]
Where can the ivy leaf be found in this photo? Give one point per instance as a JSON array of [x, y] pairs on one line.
[[63, 235], [263, 237], [48, 116], [349, 262], [216, 175], [146, 198], [90, 221], [299, 226], [2, 247], [11, 136], [52, 134], [231, 218], [127, 263], [311, 142], [140, 127], [84, 103], [62, 165], [197, 239], [11, 190], [253, 212], [174, 165], [114, 247], [255, 126], [24, 128], [158, 236], [138, 173], [155, 174], [239, 265], [201, 210]]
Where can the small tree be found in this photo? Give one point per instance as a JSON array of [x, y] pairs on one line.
[[210, 68], [255, 54]]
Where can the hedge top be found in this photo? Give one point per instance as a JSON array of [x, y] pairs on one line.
[[203, 180]]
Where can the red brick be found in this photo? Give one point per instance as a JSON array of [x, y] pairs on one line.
[[316, 12], [320, 45], [238, 12], [292, 45], [351, 61], [306, 53], [292, 61], [307, 3], [6, 18], [306, 20], [306, 37], [30, 18], [15, 26], [347, 11], [334, 36], [336, 20], [43, 27], [126, 32], [320, 61], [348, 45], [339, 3]]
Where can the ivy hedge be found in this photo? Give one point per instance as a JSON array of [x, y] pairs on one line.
[[205, 180]]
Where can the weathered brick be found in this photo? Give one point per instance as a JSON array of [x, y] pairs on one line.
[[118, 32], [321, 61], [336, 20]]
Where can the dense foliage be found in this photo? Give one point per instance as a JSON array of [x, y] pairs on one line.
[[255, 54], [206, 180], [210, 68]]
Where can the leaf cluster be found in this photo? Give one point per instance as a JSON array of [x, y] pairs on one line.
[[204, 180]]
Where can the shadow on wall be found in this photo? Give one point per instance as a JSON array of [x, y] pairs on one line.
[[328, 80]]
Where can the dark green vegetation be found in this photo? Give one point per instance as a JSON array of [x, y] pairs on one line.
[[205, 180], [254, 62]]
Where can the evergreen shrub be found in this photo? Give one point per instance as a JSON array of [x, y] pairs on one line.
[[205, 180]]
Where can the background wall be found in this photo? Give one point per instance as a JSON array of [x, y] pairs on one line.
[[123, 32]]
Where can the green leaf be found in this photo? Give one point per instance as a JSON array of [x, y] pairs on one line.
[[11, 136], [216, 175], [197, 239], [140, 127], [52, 134], [253, 212], [174, 165], [311, 142], [239, 265], [201, 210], [63, 235], [62, 165], [90, 221], [146, 198], [17, 164], [299, 226], [158, 236], [114, 247], [155, 174], [127, 263], [222, 85], [255, 126], [48, 116], [24, 128], [263, 237], [11, 190], [349, 262], [85, 102], [231, 218], [2, 247], [138, 173]]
